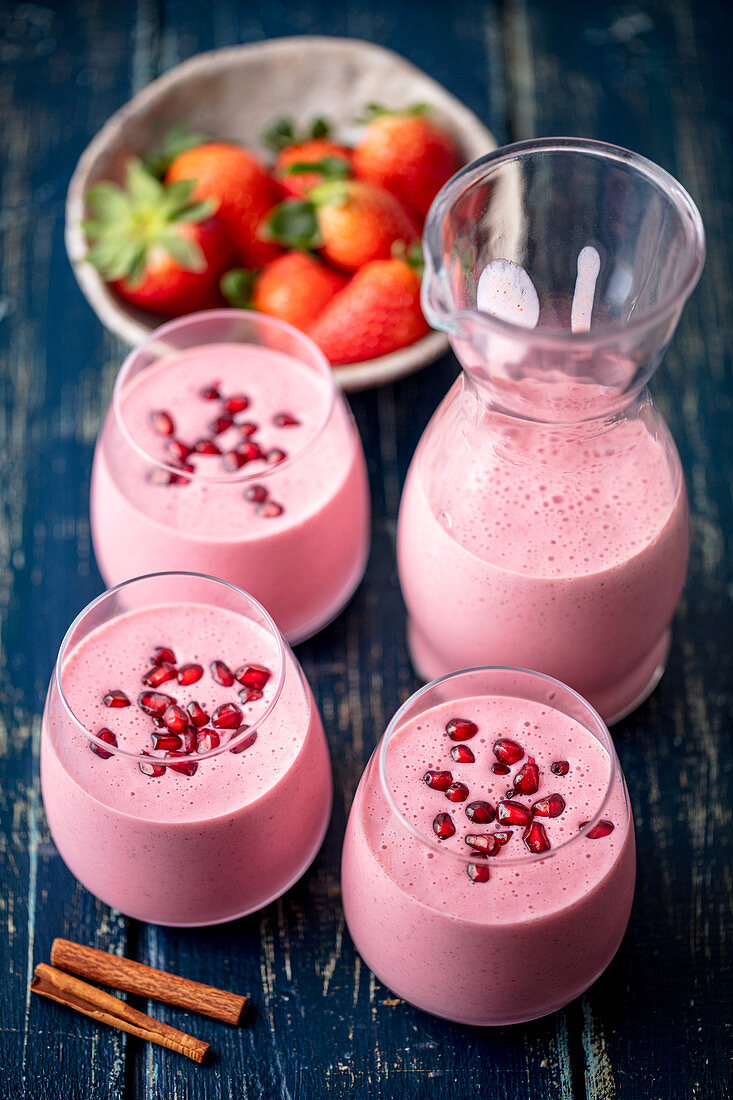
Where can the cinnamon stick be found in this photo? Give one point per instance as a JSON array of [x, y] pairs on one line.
[[146, 981], [101, 1006]]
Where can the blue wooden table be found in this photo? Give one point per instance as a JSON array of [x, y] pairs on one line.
[[653, 75]]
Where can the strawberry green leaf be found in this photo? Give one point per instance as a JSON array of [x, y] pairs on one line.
[[294, 224], [107, 200], [141, 185], [330, 168], [375, 110], [179, 139], [279, 135], [320, 128], [186, 252], [197, 211], [237, 285]]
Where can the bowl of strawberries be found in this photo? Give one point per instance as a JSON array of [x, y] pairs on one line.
[[290, 176]]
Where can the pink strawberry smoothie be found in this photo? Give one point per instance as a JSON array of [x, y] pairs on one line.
[[563, 551], [180, 848], [542, 927], [282, 511]]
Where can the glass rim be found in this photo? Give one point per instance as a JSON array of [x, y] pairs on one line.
[[146, 757], [554, 338], [237, 476], [475, 857]]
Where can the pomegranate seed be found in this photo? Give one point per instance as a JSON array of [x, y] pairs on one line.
[[175, 718], [275, 457], [443, 826], [177, 450], [270, 509], [154, 770], [210, 393], [510, 792], [246, 742], [249, 451], [249, 695], [206, 447], [187, 468], [116, 699], [253, 676], [500, 769], [503, 835], [188, 737], [159, 723], [462, 754], [189, 674], [227, 716], [162, 477], [481, 813], [221, 424], [159, 674], [551, 806], [165, 740], [222, 674], [285, 420], [483, 842], [197, 714], [438, 781], [603, 828], [535, 837], [163, 654], [257, 494], [560, 767], [206, 740], [232, 461], [189, 768], [109, 738], [457, 792], [248, 428], [527, 779], [478, 872], [507, 751], [162, 422], [513, 813], [461, 729], [154, 703], [236, 404]]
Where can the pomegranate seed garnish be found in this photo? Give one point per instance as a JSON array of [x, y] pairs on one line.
[[159, 674], [221, 424], [187, 468], [165, 740], [513, 813], [285, 420], [227, 716], [154, 770], [162, 477], [206, 740], [275, 457], [237, 403], [481, 813], [197, 714], [163, 654], [116, 699], [154, 703], [210, 393], [438, 781], [206, 447], [457, 792], [461, 729], [507, 751], [601, 829], [222, 674], [503, 835], [162, 422], [249, 695], [109, 738], [246, 742], [560, 767], [189, 674], [188, 737], [527, 779], [253, 676], [443, 826], [551, 806], [175, 718], [189, 768], [462, 754], [483, 842], [478, 872], [178, 450], [257, 494], [535, 837], [500, 769], [249, 451], [270, 509], [232, 460], [248, 428]]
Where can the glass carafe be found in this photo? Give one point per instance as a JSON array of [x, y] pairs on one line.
[[544, 519]]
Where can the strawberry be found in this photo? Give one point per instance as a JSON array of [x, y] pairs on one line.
[[295, 287], [233, 178], [377, 312], [328, 161], [159, 248], [408, 154], [349, 221]]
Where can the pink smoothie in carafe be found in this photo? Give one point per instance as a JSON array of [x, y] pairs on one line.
[[177, 836], [558, 549], [265, 484], [473, 895]]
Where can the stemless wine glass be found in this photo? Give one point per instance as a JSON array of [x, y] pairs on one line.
[[184, 767], [489, 860], [227, 450]]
